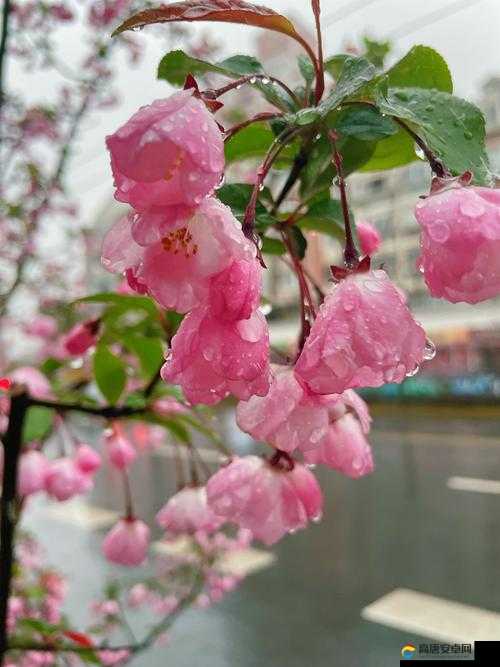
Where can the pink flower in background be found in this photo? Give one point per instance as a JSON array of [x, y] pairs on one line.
[[460, 243], [64, 479], [81, 337], [167, 405], [33, 468], [61, 12], [104, 12], [210, 359], [269, 500], [138, 595], [235, 293], [36, 382], [43, 326], [87, 459], [364, 336], [127, 543], [121, 452], [177, 270], [169, 152], [187, 512], [369, 238], [114, 658]]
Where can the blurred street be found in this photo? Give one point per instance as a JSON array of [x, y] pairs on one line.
[[425, 522]]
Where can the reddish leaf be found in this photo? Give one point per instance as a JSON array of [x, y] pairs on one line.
[[227, 11], [79, 638]]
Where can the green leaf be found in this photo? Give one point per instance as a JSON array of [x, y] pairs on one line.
[[148, 350], [325, 216], [241, 65], [306, 68], [299, 242], [272, 246], [421, 67], [38, 423], [237, 197], [176, 65], [254, 141], [110, 374], [335, 64], [452, 128], [126, 301], [355, 73], [89, 656], [38, 625], [392, 152], [363, 122]]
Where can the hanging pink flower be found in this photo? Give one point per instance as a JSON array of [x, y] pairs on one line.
[[33, 468], [177, 270], [43, 326], [121, 452], [270, 500], [81, 337], [211, 359], [127, 543], [235, 293], [369, 238], [64, 479], [288, 417], [344, 448], [187, 512], [364, 336], [460, 243], [87, 459], [169, 152]]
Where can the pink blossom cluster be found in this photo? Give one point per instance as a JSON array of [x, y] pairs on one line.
[[61, 478], [183, 247]]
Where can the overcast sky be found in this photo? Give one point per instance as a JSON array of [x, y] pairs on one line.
[[469, 40]]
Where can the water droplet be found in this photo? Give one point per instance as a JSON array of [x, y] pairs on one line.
[[412, 373], [317, 518], [419, 152], [253, 80], [266, 80], [311, 466], [429, 350], [138, 28], [292, 531], [468, 135]]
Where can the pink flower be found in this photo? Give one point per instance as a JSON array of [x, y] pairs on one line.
[[187, 512], [112, 657], [288, 417], [43, 326], [33, 468], [177, 270], [121, 452], [127, 542], [210, 359], [364, 336], [81, 337], [61, 12], [87, 459], [270, 500], [169, 152], [344, 448], [64, 479], [235, 293], [104, 12], [460, 243], [167, 405], [369, 238], [138, 595], [37, 384]]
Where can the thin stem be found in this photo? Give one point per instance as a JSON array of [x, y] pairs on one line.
[[265, 116], [129, 505], [435, 163], [7, 7], [12, 442], [320, 73], [107, 411], [351, 254], [252, 78], [276, 148], [306, 302]]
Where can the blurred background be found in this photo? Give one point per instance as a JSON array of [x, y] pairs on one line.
[[410, 555]]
